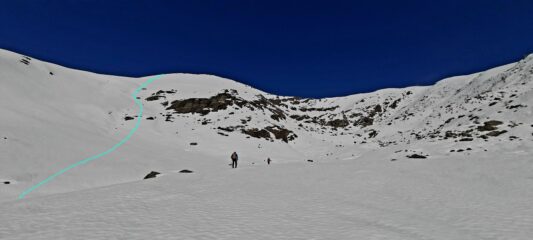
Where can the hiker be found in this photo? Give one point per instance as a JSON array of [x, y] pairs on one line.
[[268, 161], [234, 159]]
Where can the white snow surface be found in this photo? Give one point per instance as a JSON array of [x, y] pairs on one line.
[[360, 185]]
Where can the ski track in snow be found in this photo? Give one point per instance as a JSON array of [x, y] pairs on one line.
[[97, 156]]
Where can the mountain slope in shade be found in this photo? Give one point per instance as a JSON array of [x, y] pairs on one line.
[[448, 161]]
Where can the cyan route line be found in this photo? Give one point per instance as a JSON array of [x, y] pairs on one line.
[[124, 140]]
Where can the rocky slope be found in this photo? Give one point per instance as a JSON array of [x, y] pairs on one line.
[[53, 116], [495, 105]]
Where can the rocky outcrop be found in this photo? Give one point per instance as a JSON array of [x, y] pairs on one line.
[[282, 133], [257, 133], [204, 106], [338, 123], [489, 125], [278, 132], [152, 174]]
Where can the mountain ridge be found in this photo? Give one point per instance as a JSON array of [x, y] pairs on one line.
[[86, 112]]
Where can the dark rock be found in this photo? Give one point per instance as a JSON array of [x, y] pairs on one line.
[[378, 108], [496, 133], [466, 139], [155, 97], [150, 118], [284, 134], [278, 114], [227, 129], [278, 132], [186, 171], [256, 133], [127, 118], [193, 144], [449, 134], [516, 106], [493, 123], [7, 182], [449, 120], [489, 125], [364, 122], [338, 123], [204, 106], [299, 117], [416, 156], [373, 133], [395, 103], [309, 160], [168, 118], [152, 174], [303, 109]]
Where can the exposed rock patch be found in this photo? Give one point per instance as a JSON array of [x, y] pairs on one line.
[[278, 132], [489, 125], [152, 174], [416, 156], [204, 106]]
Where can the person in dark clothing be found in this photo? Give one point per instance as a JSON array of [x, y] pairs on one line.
[[268, 161], [234, 159]]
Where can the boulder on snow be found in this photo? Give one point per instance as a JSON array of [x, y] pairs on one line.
[[152, 174], [466, 139], [7, 182], [186, 171], [496, 133], [154, 98], [309, 160], [416, 156]]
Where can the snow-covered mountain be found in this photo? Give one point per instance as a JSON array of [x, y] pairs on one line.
[[465, 138]]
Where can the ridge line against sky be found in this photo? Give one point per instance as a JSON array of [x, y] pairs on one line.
[[296, 48]]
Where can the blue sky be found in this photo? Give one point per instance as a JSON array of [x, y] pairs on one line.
[[302, 48]]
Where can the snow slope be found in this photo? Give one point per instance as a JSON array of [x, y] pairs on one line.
[[475, 182], [443, 198]]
